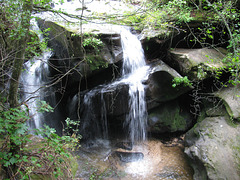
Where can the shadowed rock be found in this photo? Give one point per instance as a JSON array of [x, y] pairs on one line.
[[125, 145], [160, 83], [129, 156]]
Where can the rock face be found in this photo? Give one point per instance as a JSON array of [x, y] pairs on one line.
[[213, 143], [213, 147], [169, 117], [160, 83], [88, 62], [196, 63], [231, 100]]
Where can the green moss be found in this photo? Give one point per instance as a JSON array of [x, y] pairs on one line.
[[178, 122], [210, 133], [171, 119], [230, 121], [95, 61], [73, 164]]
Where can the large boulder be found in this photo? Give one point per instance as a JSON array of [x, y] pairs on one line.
[[213, 148], [231, 100], [98, 108], [160, 83], [197, 64], [170, 117], [70, 57], [160, 35]]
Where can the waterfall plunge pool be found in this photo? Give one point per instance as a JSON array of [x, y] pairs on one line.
[[160, 161]]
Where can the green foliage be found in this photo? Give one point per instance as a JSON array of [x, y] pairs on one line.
[[178, 9], [95, 62], [49, 153], [229, 16], [159, 15], [12, 131], [15, 18], [72, 128], [43, 106], [181, 81], [91, 42], [35, 46]]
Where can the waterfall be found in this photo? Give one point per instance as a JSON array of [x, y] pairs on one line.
[[35, 73], [134, 72], [33, 78], [92, 125], [133, 56]]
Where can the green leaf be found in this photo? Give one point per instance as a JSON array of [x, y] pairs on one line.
[[39, 165], [25, 158], [13, 160]]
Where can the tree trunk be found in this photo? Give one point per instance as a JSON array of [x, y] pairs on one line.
[[20, 54], [17, 69]]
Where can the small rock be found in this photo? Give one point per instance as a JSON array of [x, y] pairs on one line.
[[129, 156]]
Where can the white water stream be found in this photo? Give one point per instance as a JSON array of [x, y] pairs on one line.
[[134, 72], [33, 78]]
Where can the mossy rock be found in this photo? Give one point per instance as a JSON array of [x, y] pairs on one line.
[[72, 52], [160, 83], [198, 64], [62, 42], [231, 100], [169, 117], [213, 149]]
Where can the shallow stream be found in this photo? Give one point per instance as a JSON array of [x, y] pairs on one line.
[[160, 161]]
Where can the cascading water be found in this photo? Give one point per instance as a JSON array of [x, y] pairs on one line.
[[98, 128], [34, 77], [134, 71], [35, 74]]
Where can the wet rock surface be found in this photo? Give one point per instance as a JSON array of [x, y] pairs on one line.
[[169, 117], [129, 156]]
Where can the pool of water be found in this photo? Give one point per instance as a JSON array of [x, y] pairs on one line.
[[100, 161]]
